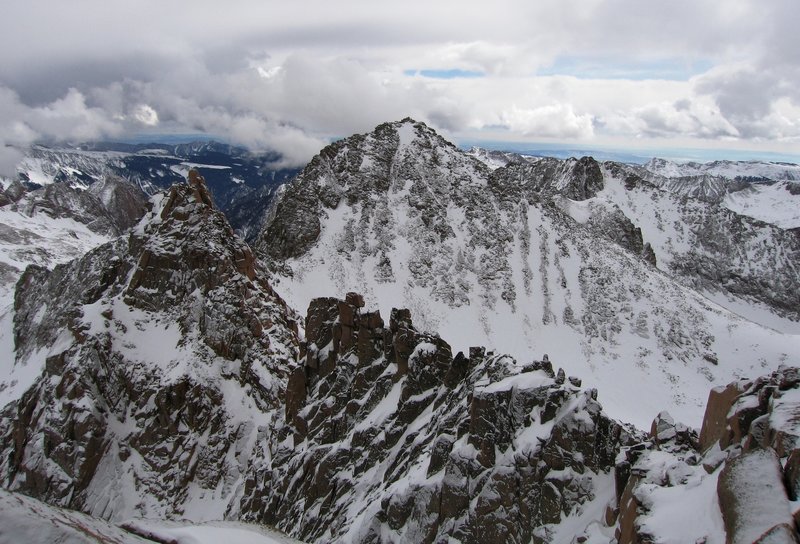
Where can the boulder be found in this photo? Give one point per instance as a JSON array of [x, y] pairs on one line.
[[715, 421], [791, 473], [753, 500], [663, 428]]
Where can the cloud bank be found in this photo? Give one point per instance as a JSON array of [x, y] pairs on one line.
[[289, 77]]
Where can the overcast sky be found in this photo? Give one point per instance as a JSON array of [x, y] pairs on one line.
[[291, 75]]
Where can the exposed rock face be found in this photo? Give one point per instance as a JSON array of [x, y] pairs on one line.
[[576, 179], [126, 203], [715, 421], [387, 433], [165, 354], [15, 191], [750, 433]]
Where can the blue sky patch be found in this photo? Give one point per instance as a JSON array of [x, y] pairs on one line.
[[445, 74]]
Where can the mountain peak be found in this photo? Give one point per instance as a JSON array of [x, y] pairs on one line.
[[405, 160], [188, 197]]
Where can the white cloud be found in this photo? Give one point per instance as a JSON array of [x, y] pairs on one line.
[[145, 115], [289, 76], [553, 121]]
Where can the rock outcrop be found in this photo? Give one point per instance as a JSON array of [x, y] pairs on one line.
[[389, 437], [575, 179], [59, 200], [163, 355], [753, 501], [746, 455], [124, 202]]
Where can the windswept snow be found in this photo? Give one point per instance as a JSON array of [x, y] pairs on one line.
[[211, 532]]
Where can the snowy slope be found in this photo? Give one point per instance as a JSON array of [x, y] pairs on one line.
[[24, 240], [403, 217], [47, 227], [23, 519], [41, 240], [776, 203], [767, 191], [747, 266]]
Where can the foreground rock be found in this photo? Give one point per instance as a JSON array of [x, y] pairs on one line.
[[733, 483], [389, 437]]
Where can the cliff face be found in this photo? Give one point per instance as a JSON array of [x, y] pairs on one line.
[[163, 355]]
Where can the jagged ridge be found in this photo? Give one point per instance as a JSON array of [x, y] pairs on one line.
[[163, 354]]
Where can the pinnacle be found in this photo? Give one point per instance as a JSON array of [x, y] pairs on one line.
[[195, 191]]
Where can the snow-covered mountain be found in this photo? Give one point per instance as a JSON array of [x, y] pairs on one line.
[[495, 158], [57, 223], [241, 183], [731, 170], [168, 378], [547, 257], [767, 191]]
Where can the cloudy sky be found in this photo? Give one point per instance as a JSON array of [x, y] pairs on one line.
[[291, 75]]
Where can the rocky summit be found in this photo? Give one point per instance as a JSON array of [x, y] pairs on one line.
[[617, 360]]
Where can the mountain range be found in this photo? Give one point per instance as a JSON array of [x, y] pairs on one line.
[[586, 308]]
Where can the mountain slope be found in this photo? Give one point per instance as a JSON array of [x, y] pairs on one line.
[[46, 227], [173, 381], [709, 247], [767, 191], [403, 216], [161, 357]]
